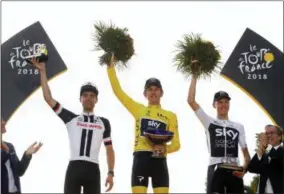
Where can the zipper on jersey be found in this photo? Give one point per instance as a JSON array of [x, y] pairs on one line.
[[225, 131], [87, 120]]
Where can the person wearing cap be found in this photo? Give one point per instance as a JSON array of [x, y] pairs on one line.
[[144, 165], [223, 138], [86, 132]]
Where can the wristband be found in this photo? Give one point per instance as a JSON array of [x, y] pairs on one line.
[[111, 172]]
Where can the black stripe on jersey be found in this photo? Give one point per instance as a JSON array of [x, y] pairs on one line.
[[107, 132], [89, 141], [64, 114], [83, 138], [86, 118], [92, 119]]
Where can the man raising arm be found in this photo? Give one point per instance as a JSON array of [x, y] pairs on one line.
[[86, 132], [223, 137], [151, 116]]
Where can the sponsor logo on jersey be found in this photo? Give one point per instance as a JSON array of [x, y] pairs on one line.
[[154, 124], [141, 178], [148, 113], [223, 140], [80, 119], [90, 126], [229, 133], [150, 124], [162, 116], [221, 143]]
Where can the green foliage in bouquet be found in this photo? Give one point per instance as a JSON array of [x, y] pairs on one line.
[[197, 57], [113, 40]]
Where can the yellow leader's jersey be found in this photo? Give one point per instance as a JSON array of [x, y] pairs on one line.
[[146, 117]]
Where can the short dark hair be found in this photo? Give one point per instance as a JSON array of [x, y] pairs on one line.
[[89, 87]]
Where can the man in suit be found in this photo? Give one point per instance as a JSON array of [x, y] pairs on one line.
[[269, 164], [11, 167]]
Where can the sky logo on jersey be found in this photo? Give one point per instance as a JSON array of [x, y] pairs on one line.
[[150, 124], [154, 124], [222, 139], [229, 133]]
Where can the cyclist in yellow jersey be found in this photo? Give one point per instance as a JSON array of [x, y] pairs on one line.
[[144, 165]]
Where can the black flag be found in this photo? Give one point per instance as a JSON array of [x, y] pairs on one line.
[[20, 79], [257, 67]]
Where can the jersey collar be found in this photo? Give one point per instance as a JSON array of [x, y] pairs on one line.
[[154, 106], [88, 113]]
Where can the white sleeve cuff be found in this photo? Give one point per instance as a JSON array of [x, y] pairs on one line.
[[259, 157]]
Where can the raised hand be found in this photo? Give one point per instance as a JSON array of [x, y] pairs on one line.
[[263, 139], [262, 142], [39, 65], [112, 60], [194, 60], [33, 148], [195, 66]]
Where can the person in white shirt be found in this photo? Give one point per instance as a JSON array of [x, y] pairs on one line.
[[86, 132], [223, 138], [11, 167], [268, 160]]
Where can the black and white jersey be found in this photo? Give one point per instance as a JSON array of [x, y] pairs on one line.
[[223, 138], [86, 133]]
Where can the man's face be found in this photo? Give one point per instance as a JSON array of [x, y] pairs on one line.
[[222, 106], [153, 94], [272, 135], [88, 100], [3, 126]]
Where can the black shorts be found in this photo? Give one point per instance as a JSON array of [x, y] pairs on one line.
[[220, 180], [82, 174], [145, 166]]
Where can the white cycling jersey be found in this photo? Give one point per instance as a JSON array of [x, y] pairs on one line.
[[220, 133], [86, 133]]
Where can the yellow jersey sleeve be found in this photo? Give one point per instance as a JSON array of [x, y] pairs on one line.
[[173, 127], [132, 106]]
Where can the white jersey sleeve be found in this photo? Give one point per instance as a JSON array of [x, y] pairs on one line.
[[242, 137], [203, 117]]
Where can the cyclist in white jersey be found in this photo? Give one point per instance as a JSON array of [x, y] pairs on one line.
[[223, 138], [86, 133]]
